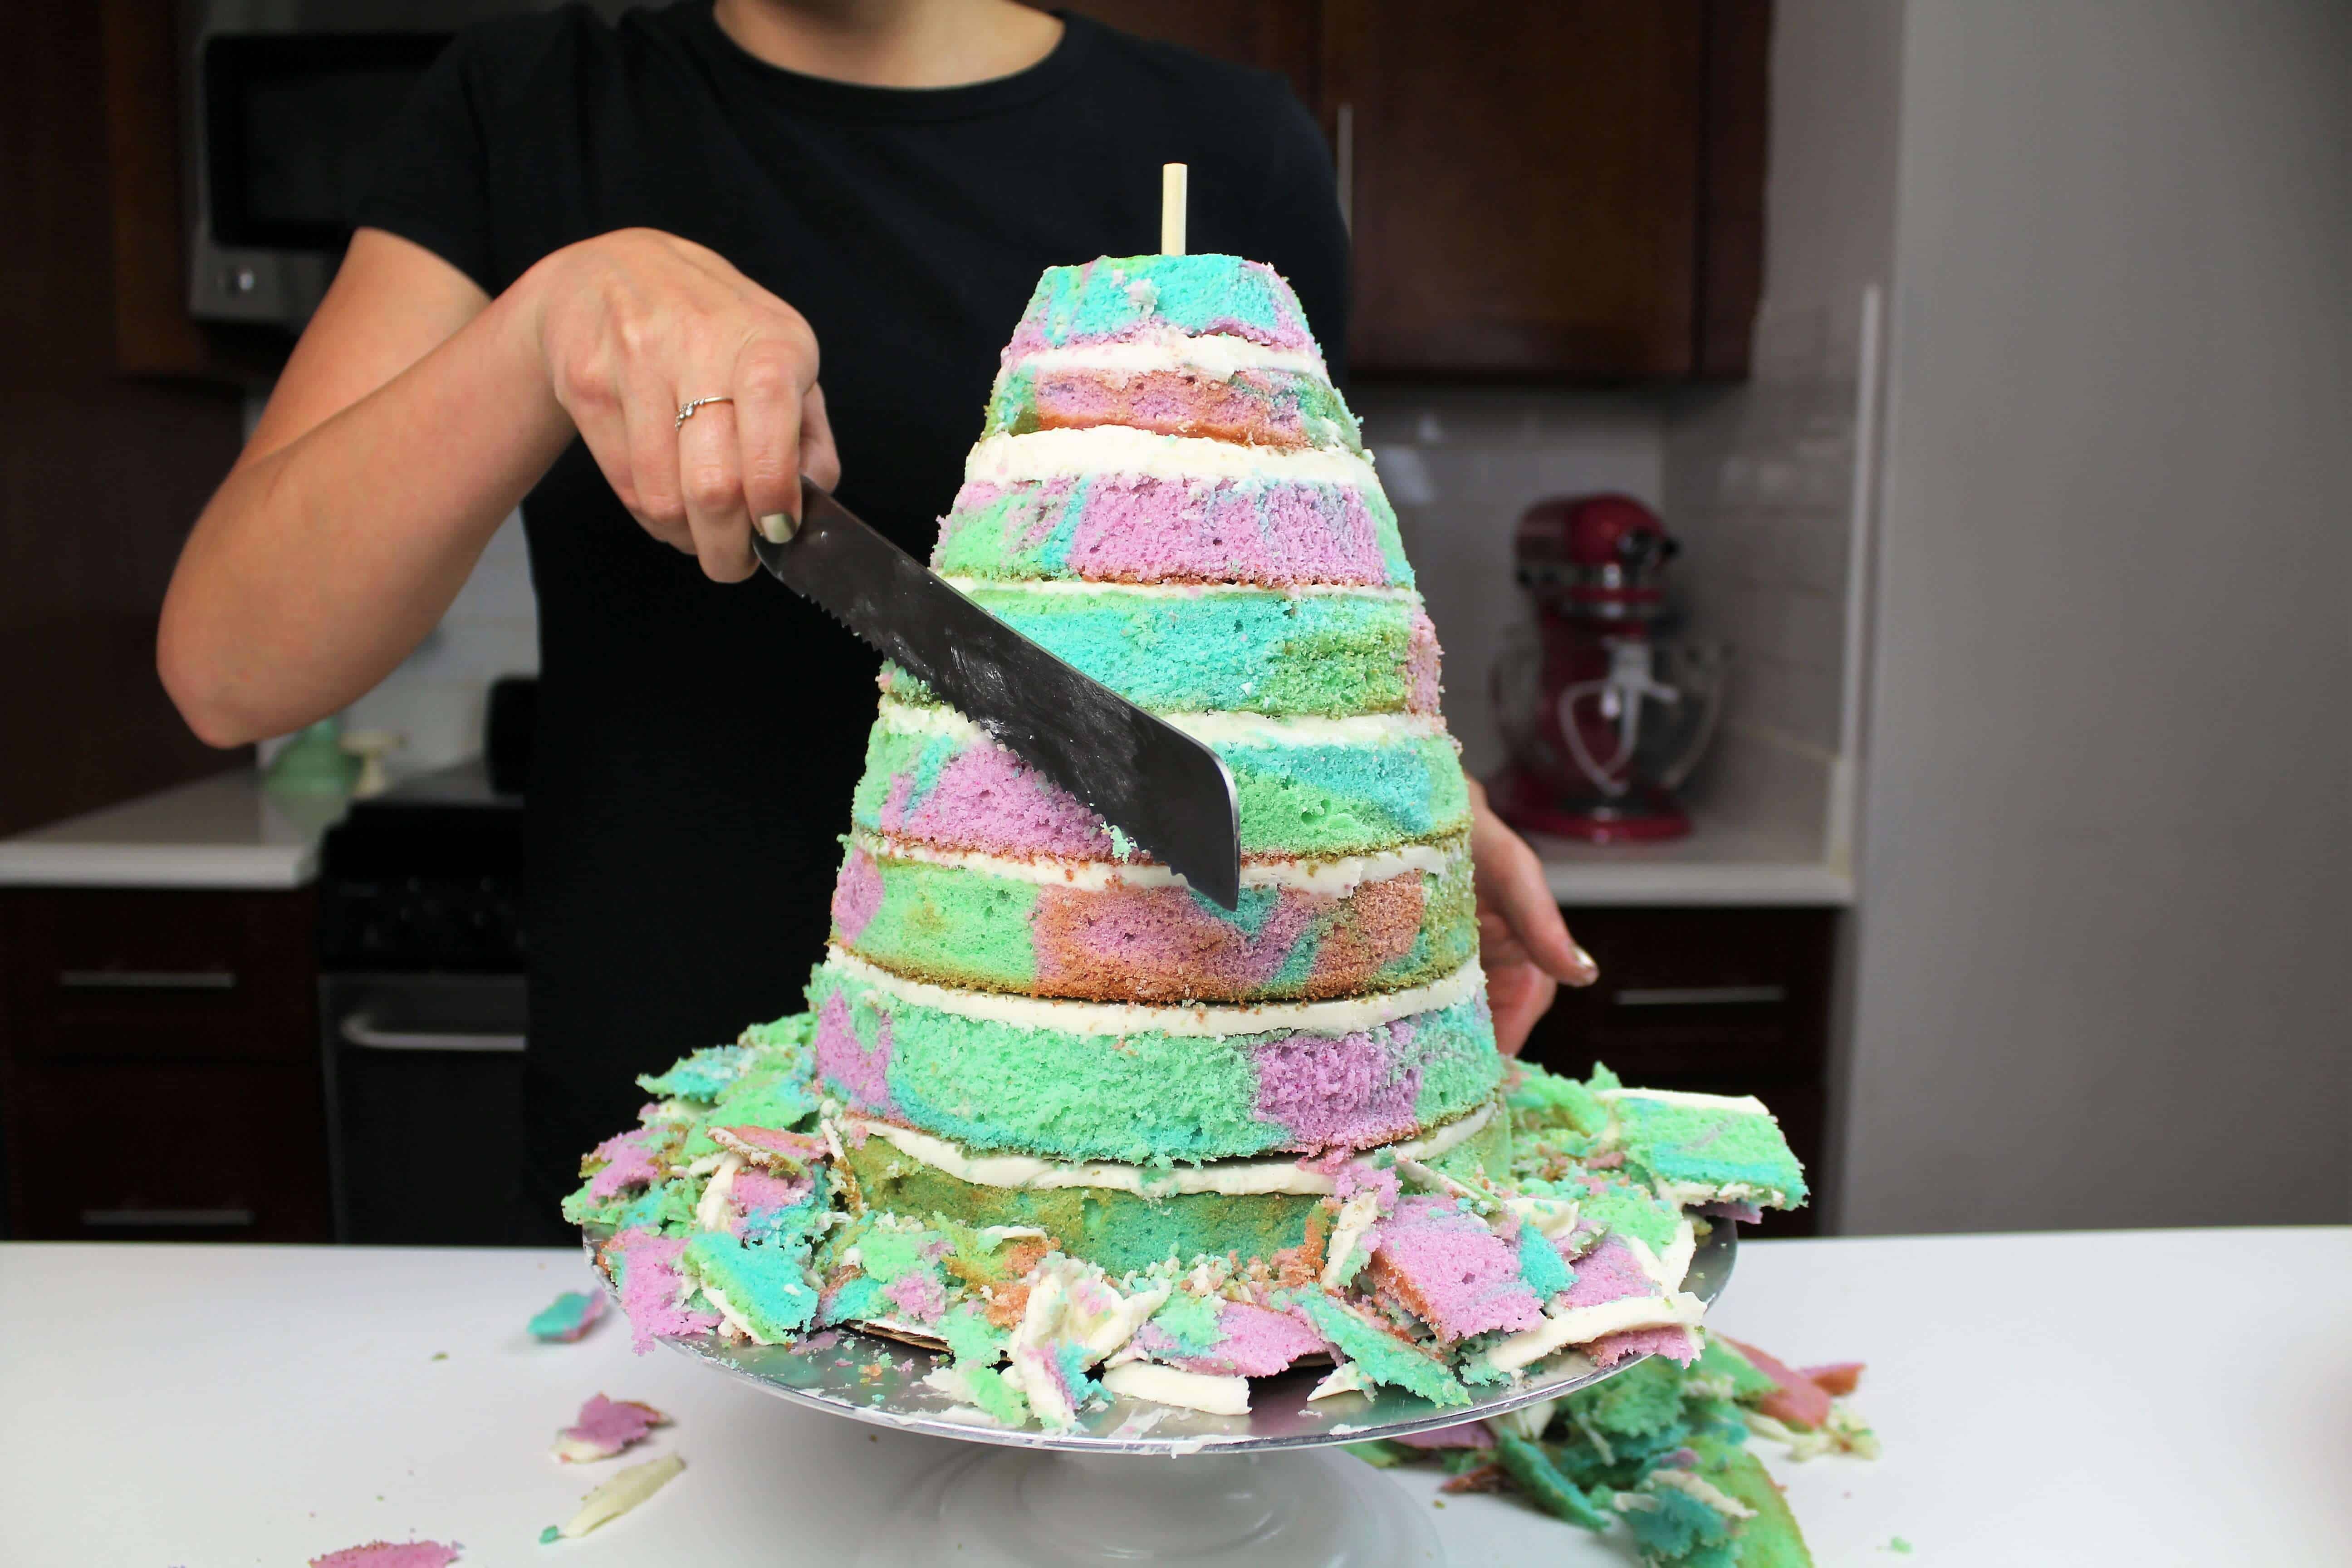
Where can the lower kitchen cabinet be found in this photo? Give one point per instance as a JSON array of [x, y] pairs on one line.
[[159, 1066], [1722, 1001]]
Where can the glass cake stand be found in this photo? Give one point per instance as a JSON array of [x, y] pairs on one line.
[[1252, 1489]]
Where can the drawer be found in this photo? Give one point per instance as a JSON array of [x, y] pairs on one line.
[[1697, 993], [112, 973], [166, 1150]]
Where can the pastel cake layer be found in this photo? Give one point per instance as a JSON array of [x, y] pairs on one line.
[[1080, 1080], [1307, 787], [1118, 505], [1315, 651], [1098, 931], [1127, 299], [1226, 389], [1123, 1217], [1706, 1148]]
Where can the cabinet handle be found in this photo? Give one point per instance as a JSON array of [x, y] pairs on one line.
[[1347, 159], [1701, 995], [147, 980], [167, 1220], [359, 1029]]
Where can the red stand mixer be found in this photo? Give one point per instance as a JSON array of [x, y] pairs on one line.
[[1605, 713]]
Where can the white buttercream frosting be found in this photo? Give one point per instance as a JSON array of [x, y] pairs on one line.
[[1742, 1104], [1333, 878], [1342, 1016], [1583, 1325], [1230, 1178], [1121, 449], [1356, 731], [1218, 1395]]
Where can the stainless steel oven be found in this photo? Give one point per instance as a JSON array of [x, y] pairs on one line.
[[281, 101], [423, 1014]]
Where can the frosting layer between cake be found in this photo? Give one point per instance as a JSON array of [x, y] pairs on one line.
[[1086, 1082], [1017, 925]]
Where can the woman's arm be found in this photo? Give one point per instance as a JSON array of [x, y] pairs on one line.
[[417, 412]]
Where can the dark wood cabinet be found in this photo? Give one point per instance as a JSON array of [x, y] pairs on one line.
[[1724, 1001], [159, 1066], [1539, 190]]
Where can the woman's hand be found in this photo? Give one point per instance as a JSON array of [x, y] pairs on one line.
[[634, 324], [1523, 945]]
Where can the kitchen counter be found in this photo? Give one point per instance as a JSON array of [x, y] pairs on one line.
[[2152, 1397], [1714, 864], [225, 831]]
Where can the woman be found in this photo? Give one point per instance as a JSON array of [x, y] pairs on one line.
[[576, 229]]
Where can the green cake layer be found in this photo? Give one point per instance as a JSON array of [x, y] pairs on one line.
[[1145, 1094], [997, 926]]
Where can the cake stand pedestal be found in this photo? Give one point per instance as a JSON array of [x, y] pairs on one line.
[[1250, 1491]]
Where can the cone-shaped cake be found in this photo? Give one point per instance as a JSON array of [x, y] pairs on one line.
[[1056, 1111]]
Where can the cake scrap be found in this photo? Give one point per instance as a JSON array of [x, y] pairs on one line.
[[391, 1554], [606, 1427], [568, 1317], [1662, 1448], [616, 1497]]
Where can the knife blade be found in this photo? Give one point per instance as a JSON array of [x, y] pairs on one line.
[[1160, 787]]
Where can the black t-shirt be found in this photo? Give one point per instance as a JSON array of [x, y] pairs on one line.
[[697, 743]]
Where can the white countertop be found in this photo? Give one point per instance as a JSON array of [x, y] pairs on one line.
[[1713, 865], [2151, 1397], [225, 831]]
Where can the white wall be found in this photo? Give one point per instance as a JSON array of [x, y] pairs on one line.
[[1762, 479], [2101, 977]]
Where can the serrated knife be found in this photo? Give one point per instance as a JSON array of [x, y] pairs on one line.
[[1155, 784]]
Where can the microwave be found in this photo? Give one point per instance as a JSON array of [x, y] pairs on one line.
[[282, 102]]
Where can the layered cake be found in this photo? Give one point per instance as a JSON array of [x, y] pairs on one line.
[[1092, 1133]]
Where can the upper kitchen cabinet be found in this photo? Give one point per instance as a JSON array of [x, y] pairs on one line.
[[1284, 35], [1541, 190], [1564, 190]]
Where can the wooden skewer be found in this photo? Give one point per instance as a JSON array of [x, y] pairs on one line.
[[1172, 209]]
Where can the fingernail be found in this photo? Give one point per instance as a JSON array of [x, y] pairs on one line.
[[1590, 965], [779, 527]]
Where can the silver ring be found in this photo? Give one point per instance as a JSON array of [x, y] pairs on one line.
[[686, 410]]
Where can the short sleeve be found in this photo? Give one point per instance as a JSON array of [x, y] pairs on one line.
[[427, 178], [1298, 220]]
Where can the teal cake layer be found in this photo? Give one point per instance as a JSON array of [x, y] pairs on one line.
[[1240, 650], [999, 928], [1116, 299], [1312, 793], [1145, 1096]]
